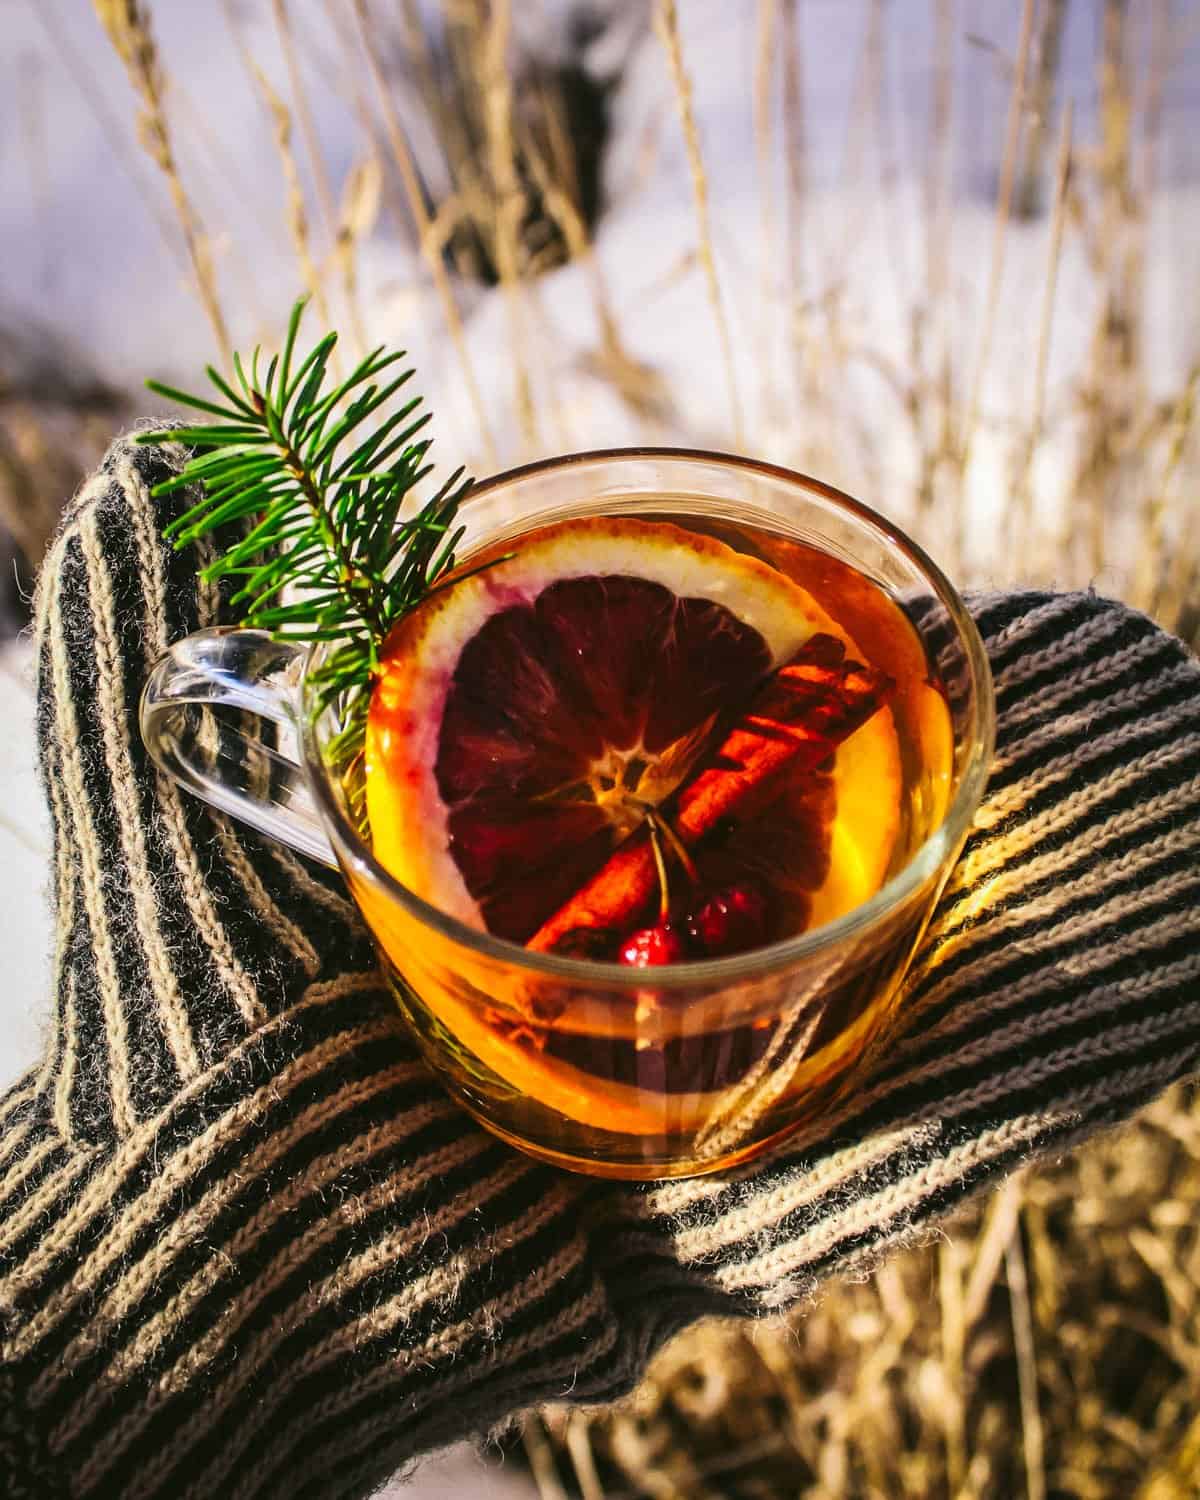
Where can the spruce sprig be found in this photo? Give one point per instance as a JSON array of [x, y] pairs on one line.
[[319, 502]]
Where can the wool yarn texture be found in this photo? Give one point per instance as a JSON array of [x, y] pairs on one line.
[[249, 1248]]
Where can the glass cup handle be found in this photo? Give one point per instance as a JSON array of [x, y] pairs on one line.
[[212, 754]]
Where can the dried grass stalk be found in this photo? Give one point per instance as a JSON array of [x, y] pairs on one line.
[[83, 80], [954, 1335], [1168, 596], [999, 1225], [541, 1464], [806, 352], [1032, 1439], [638, 385], [1074, 1374], [1023, 487], [1047, 51], [297, 211], [128, 28], [795, 138], [582, 1459], [766, 43], [1112, 392], [1012, 138], [428, 239], [343, 245], [312, 145], [666, 24], [358, 211], [508, 200]]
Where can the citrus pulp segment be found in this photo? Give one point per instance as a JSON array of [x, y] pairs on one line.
[[524, 712]]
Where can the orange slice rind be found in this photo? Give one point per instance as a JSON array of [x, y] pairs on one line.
[[408, 818], [409, 821]]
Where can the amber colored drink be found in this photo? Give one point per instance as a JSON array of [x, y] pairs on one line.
[[656, 796], [698, 1047]]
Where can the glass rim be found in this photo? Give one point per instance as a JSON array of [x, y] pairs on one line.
[[707, 972]]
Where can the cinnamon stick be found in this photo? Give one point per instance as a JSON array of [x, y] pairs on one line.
[[797, 718]]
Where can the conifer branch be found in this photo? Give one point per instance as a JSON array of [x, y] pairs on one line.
[[325, 555]]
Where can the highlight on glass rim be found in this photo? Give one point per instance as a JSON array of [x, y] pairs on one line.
[[604, 765]]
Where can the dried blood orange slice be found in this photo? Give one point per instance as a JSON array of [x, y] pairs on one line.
[[526, 714]]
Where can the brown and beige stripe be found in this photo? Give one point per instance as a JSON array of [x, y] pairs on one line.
[[248, 1248]]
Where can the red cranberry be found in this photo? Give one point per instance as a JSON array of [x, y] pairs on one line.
[[647, 946], [732, 920]]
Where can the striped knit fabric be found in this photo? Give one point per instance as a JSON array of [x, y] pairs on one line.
[[248, 1249]]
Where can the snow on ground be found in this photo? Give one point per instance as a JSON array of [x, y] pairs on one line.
[[81, 251], [25, 935]]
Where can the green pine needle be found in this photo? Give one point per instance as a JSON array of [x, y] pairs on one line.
[[320, 504]]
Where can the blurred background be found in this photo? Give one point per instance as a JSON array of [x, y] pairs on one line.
[[940, 253]]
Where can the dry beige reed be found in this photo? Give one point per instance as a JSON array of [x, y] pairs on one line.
[[127, 24], [1046, 1344], [1022, 490], [1122, 491], [296, 210], [666, 23], [1049, 1343], [427, 237]]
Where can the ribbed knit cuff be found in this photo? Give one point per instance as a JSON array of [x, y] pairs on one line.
[[178, 931], [247, 1248], [236, 1216], [305, 1271], [1055, 991]]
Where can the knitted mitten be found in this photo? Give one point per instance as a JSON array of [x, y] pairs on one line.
[[249, 1249]]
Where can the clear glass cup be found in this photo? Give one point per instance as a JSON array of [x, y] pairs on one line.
[[603, 1069]]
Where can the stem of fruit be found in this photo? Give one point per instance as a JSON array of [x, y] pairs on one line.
[[796, 720], [660, 868], [678, 847]]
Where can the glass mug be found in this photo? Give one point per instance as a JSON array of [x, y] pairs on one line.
[[616, 1071]]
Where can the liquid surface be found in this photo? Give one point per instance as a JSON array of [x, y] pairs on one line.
[[525, 744], [527, 725]]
